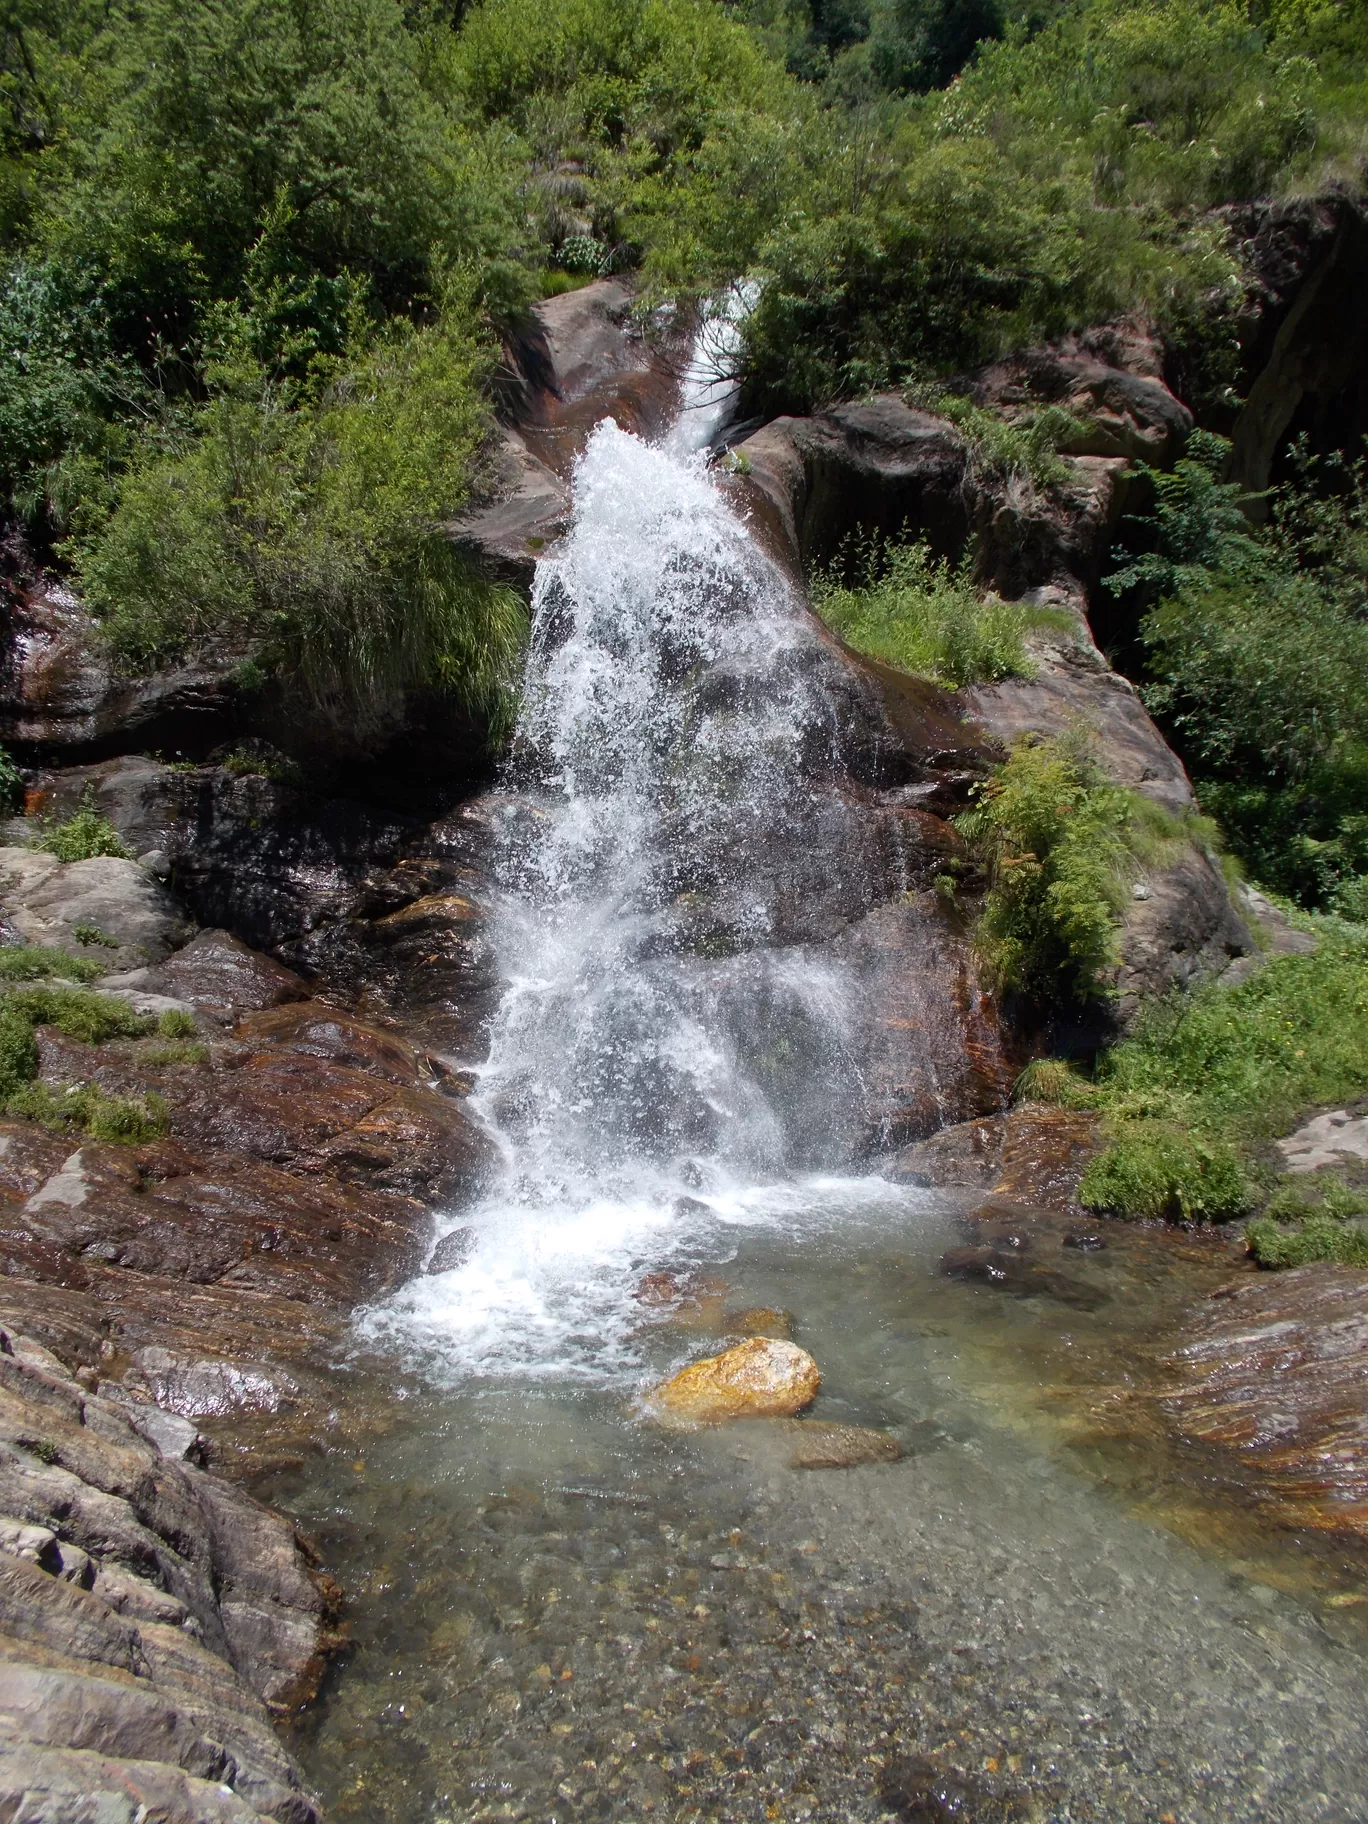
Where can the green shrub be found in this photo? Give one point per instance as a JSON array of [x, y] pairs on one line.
[[1244, 1063], [173, 1024], [30, 963], [87, 1109], [177, 1055], [924, 615], [306, 525], [1257, 653], [1208, 1077], [1055, 840], [11, 783], [1318, 1236], [82, 836], [92, 934], [1177, 1177], [1006, 449]]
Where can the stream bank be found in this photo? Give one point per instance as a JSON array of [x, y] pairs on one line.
[[211, 1274]]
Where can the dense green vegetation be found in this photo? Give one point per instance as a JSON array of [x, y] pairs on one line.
[[1311, 1221], [1190, 1100], [257, 259], [1257, 650], [1060, 847], [899, 603]]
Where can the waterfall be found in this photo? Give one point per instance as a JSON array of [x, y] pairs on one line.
[[667, 1056]]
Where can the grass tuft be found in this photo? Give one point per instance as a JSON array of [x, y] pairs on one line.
[[33, 963], [918, 612]]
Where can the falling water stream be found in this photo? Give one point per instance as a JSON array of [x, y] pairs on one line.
[[563, 1614]]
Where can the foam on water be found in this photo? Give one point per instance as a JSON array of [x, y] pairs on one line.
[[660, 1067]]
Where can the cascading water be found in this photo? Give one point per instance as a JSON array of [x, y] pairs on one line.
[[663, 1058]]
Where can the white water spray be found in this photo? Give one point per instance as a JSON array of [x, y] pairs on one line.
[[661, 1059]]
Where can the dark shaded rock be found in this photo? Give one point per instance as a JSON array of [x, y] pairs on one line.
[[820, 1444], [921, 1793], [1304, 342], [1270, 1376], [59, 692], [876, 466], [1085, 1242], [988, 1264], [151, 1615]]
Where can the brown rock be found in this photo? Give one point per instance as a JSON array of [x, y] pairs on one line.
[[1033, 1154], [758, 1379]]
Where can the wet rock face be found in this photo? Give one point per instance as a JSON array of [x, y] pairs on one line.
[[153, 1617], [1033, 1154], [59, 692], [1269, 1374]]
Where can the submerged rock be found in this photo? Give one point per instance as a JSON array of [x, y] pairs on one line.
[[819, 1444], [762, 1378], [759, 1320]]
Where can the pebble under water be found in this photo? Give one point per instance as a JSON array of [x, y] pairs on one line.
[[562, 1613]]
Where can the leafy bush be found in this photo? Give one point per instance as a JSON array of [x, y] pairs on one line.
[[92, 934], [924, 615], [11, 782], [1210, 1076], [1318, 1237], [1060, 846], [82, 836], [1147, 1172], [18, 1049], [302, 523], [1257, 651]]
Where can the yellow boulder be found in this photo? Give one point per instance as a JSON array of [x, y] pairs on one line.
[[762, 1378]]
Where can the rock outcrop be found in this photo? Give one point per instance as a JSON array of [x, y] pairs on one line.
[[1304, 343], [1269, 1374], [152, 1617], [104, 907]]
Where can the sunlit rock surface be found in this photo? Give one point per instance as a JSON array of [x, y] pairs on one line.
[[758, 1379]]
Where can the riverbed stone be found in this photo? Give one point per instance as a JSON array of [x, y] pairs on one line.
[[761, 1378]]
